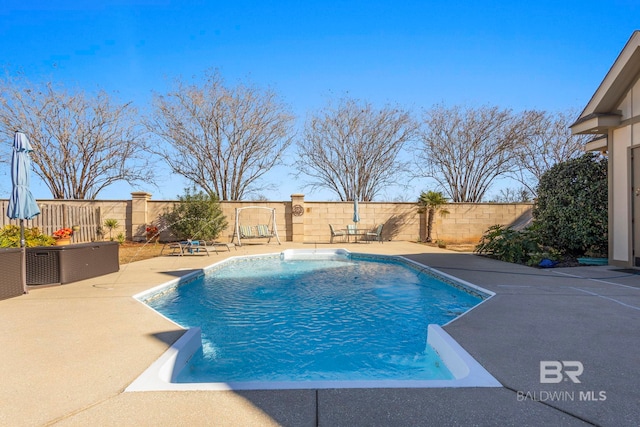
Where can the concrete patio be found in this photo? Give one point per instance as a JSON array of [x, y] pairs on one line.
[[69, 351]]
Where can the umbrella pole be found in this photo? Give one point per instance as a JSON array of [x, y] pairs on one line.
[[24, 258]]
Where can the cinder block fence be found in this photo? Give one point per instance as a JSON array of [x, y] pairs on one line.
[[297, 220]]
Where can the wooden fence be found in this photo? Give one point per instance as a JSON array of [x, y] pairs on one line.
[[86, 220]]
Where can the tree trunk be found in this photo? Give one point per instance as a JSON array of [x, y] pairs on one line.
[[430, 215]]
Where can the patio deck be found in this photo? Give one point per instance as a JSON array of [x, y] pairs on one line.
[[69, 351]]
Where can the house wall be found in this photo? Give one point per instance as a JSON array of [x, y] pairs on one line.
[[614, 110], [620, 195], [618, 190], [633, 200]]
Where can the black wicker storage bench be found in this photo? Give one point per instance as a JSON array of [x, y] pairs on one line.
[[10, 266], [48, 265]]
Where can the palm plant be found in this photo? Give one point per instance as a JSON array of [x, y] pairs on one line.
[[111, 224], [431, 202]]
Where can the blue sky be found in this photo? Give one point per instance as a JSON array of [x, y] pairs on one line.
[[548, 55]]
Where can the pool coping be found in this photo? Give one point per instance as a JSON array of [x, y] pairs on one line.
[[162, 373], [160, 376]]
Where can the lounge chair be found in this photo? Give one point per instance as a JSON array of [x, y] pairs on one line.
[[189, 247], [335, 233], [216, 244], [176, 248], [375, 235]]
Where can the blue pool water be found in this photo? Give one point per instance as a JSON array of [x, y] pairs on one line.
[[269, 319]]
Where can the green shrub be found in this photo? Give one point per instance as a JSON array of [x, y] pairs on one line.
[[507, 244], [570, 216], [10, 237], [571, 210], [548, 253], [197, 215]]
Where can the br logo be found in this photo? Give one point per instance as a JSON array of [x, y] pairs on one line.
[[555, 371]]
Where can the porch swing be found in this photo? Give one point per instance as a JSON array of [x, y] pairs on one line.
[[256, 231]]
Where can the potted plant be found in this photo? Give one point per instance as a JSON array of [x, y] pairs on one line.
[[152, 233], [63, 236]]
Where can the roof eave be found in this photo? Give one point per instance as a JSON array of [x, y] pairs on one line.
[[617, 81], [596, 124], [597, 144]]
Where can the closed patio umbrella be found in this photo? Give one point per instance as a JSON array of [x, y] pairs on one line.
[[356, 212], [22, 205], [356, 218]]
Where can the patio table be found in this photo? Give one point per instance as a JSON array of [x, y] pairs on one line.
[[354, 232]]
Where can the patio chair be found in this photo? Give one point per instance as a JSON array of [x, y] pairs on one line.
[[352, 230], [335, 233], [375, 235]]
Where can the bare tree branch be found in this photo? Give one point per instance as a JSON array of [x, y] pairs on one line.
[[82, 144], [223, 139], [466, 149], [550, 142], [353, 149]]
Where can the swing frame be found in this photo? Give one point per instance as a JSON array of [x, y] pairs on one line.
[[273, 232]]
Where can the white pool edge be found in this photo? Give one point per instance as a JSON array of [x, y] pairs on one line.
[[161, 374]]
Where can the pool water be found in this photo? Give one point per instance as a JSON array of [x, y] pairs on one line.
[[269, 319]]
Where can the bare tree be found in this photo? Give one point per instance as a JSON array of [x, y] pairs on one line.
[[81, 143], [550, 142], [466, 149], [223, 139], [512, 195], [353, 149]]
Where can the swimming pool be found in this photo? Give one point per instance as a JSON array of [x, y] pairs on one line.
[[310, 319]]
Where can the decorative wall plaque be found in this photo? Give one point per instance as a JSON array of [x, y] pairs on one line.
[[297, 210]]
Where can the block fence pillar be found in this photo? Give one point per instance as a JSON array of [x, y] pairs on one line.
[[139, 215], [297, 218]]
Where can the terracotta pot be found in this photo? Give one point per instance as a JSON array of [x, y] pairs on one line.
[[63, 241]]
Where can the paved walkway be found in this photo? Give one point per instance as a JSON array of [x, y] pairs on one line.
[[68, 352]]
